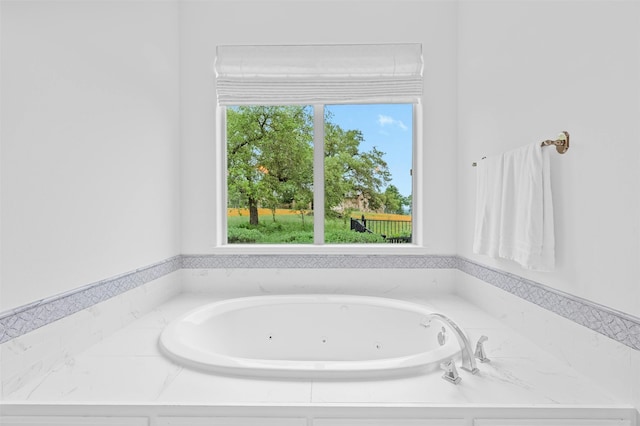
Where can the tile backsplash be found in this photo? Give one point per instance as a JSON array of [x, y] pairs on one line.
[[616, 325]]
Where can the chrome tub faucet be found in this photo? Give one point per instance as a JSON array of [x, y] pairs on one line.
[[468, 359]]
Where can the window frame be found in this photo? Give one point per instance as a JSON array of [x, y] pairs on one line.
[[319, 246]]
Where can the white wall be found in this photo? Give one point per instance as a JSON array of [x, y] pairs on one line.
[[204, 25], [95, 97], [528, 70], [89, 142]]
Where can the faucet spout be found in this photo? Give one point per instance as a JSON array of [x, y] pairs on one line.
[[468, 359]]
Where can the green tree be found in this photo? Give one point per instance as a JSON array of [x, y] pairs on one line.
[[349, 172], [269, 155], [270, 161], [408, 202], [393, 200]]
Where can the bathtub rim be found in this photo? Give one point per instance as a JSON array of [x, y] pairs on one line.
[[218, 363]]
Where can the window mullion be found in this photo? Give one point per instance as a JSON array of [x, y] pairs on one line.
[[221, 181], [318, 174], [417, 211]]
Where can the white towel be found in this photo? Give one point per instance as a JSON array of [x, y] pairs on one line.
[[488, 205], [514, 211]]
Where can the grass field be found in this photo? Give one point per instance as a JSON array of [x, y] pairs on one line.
[[288, 228]]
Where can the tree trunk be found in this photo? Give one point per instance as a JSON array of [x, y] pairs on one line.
[[253, 211]]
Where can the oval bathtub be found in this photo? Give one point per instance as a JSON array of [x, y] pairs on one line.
[[307, 336]]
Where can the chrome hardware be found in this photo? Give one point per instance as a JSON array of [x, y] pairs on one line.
[[480, 353], [450, 372], [468, 360]]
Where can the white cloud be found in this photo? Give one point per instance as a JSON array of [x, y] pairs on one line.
[[384, 120]]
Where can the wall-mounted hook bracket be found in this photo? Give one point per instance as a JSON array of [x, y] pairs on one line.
[[561, 143]]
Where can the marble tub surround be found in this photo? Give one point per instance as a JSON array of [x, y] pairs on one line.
[[238, 282], [619, 326], [24, 319], [519, 373], [33, 354], [610, 363], [616, 325]]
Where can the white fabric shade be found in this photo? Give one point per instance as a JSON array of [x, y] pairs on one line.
[[318, 74]]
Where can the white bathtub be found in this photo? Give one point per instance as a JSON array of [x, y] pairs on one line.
[[307, 336]]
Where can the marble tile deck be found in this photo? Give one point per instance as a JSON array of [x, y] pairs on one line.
[[127, 367]]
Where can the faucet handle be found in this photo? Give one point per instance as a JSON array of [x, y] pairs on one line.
[[450, 372], [480, 352]]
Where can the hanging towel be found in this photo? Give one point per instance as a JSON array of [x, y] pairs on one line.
[[514, 211], [488, 205]]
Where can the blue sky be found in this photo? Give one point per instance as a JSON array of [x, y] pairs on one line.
[[389, 128]]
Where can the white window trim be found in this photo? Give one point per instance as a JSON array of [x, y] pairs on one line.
[[220, 245], [318, 175]]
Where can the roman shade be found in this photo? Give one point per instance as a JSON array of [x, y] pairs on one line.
[[318, 74]]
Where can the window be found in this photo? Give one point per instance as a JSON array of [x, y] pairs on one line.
[[319, 142], [270, 187], [364, 164]]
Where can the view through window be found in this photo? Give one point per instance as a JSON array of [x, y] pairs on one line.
[[367, 168]]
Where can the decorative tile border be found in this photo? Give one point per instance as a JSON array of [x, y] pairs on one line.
[[302, 261], [16, 322], [616, 325]]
